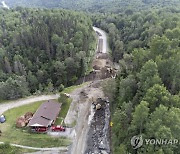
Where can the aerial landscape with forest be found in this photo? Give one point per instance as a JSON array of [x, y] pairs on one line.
[[90, 77]]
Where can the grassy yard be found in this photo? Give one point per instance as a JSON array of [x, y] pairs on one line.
[[15, 135], [64, 110], [5, 101], [22, 136], [7, 149], [72, 88]]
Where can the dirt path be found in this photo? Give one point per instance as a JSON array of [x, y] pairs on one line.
[[42, 149], [6, 106]]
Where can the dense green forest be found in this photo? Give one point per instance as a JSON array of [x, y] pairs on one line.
[[102, 6], [42, 50], [147, 98]]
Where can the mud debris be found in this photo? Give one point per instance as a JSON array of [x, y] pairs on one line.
[[98, 135]]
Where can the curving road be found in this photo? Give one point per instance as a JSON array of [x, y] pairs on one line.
[[41, 149], [12, 104]]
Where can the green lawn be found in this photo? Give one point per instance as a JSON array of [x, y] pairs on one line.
[[4, 101], [64, 110], [72, 88], [7, 149], [15, 135], [11, 134]]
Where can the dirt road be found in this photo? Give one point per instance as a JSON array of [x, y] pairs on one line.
[[88, 122], [81, 113], [6, 106]]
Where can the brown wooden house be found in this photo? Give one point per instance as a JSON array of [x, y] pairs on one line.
[[46, 115]]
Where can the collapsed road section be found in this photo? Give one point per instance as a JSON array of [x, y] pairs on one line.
[[98, 141], [89, 110]]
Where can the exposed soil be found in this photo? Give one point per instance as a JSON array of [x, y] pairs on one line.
[[81, 113], [98, 136], [89, 127], [91, 132], [102, 69]]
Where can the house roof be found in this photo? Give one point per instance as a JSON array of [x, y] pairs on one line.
[[46, 114]]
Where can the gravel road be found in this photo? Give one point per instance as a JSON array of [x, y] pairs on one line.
[[6, 106]]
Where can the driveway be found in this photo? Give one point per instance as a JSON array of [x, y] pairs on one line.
[[16, 103]]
